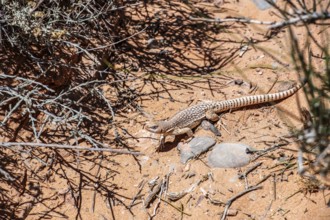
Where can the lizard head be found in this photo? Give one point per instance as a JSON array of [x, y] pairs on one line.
[[155, 127]]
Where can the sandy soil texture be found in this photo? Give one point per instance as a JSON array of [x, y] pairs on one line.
[[190, 61]]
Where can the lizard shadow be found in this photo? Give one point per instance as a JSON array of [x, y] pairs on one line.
[[168, 146]]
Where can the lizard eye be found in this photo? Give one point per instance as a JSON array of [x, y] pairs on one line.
[[154, 127]]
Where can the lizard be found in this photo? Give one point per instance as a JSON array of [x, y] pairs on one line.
[[184, 121]]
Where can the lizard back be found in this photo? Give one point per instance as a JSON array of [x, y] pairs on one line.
[[192, 114]]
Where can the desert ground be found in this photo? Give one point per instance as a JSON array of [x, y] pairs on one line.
[[178, 61]]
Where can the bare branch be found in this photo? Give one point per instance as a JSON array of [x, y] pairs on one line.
[[63, 146], [272, 24], [231, 200], [303, 18], [241, 20]]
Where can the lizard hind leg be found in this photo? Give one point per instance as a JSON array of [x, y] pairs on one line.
[[206, 125], [211, 115]]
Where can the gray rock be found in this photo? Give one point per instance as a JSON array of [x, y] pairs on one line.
[[263, 4], [194, 148], [229, 155]]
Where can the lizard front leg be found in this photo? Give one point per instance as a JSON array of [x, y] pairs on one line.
[[178, 131], [175, 132], [161, 142]]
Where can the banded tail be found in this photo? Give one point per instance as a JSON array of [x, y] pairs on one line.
[[256, 99]]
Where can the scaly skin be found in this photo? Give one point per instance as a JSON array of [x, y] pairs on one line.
[[187, 119]]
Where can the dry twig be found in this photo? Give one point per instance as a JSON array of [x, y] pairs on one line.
[[63, 146], [232, 199], [271, 24]]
